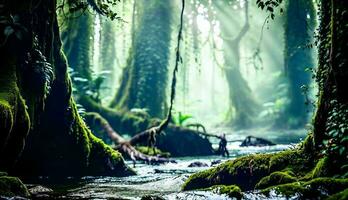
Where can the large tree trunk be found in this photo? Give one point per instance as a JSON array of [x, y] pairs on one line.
[[330, 122], [298, 34], [144, 80], [36, 99]]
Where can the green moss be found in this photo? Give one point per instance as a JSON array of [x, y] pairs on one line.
[[276, 178], [247, 171], [12, 186], [313, 189], [232, 191], [14, 118], [321, 168], [339, 196], [144, 150], [244, 172]]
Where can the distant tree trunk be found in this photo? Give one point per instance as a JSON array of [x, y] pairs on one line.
[[35, 98], [330, 120], [76, 37], [242, 102], [144, 80], [299, 28], [108, 50]]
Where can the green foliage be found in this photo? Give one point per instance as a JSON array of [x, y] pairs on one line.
[[91, 88], [12, 27], [103, 7], [337, 129], [269, 6], [180, 118]]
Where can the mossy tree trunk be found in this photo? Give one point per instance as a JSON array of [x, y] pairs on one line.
[[299, 28], [144, 80], [36, 101], [243, 106], [77, 43], [330, 122]]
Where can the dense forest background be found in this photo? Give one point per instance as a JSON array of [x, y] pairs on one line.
[[87, 85]]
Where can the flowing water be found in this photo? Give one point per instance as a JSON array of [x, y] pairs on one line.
[[161, 180]]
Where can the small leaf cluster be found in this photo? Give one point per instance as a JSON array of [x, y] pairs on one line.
[[337, 129], [12, 27], [270, 6], [91, 88]]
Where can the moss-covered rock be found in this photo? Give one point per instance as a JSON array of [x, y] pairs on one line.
[[339, 196], [12, 186], [247, 171], [232, 191], [145, 150], [318, 188], [276, 178], [244, 172]]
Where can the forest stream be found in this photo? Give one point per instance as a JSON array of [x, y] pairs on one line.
[[155, 180]]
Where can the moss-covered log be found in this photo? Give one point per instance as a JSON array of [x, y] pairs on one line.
[[178, 141], [36, 99], [126, 147]]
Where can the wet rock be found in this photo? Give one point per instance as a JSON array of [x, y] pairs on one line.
[[38, 189], [198, 164], [215, 162], [150, 197], [256, 141]]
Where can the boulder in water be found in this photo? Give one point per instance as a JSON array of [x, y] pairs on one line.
[[256, 141], [198, 164], [215, 162]]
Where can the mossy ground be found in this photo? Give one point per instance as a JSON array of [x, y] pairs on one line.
[[12, 186], [247, 171], [317, 188], [232, 191], [276, 178], [289, 173]]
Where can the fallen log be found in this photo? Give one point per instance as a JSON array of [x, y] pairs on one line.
[[126, 147]]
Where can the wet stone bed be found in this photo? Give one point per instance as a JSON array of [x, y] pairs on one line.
[[163, 181]]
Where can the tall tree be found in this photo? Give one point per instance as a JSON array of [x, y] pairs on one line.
[[35, 100], [330, 121], [299, 27], [107, 55], [144, 80], [76, 36], [242, 103]]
